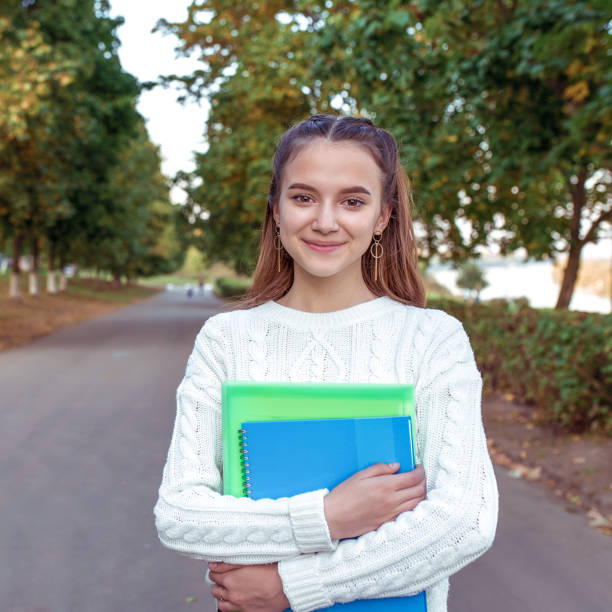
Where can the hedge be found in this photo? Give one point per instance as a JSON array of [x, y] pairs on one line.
[[558, 361], [231, 287]]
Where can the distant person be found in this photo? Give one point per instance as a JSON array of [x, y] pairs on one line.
[[189, 291], [337, 297], [201, 286]]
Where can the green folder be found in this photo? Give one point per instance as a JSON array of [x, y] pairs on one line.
[[264, 401]]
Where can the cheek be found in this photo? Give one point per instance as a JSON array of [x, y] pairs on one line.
[[361, 228], [293, 219]]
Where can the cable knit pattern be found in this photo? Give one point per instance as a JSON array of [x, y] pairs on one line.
[[377, 341]]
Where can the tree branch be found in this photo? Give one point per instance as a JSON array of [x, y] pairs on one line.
[[606, 215]]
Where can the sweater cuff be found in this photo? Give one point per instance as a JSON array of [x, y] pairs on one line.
[[302, 585], [307, 516]]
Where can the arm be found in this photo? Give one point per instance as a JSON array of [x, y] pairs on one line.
[[453, 526], [360, 504], [192, 516]]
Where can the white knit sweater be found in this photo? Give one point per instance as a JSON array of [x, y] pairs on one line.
[[380, 341]]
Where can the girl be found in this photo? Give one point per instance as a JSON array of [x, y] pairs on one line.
[[336, 297]]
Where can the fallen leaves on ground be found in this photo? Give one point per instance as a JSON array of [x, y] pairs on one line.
[[535, 473]]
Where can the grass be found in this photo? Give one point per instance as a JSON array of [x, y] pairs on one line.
[[105, 292], [30, 316], [165, 279]]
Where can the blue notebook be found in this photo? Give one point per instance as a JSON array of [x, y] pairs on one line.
[[284, 458]]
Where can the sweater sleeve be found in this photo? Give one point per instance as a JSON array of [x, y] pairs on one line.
[[455, 523], [191, 515]]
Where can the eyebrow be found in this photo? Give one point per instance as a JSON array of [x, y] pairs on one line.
[[355, 189]]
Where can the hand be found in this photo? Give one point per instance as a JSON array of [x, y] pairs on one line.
[[248, 588], [372, 497]]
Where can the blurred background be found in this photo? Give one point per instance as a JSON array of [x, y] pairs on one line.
[[137, 137], [135, 155]]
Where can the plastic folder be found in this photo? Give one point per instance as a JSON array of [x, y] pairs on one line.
[[246, 403], [263, 401]]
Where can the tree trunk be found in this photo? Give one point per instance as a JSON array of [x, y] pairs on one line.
[[14, 288], [570, 275], [33, 283], [51, 283], [33, 275], [63, 281], [116, 281]]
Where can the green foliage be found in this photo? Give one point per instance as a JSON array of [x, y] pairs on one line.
[[471, 277], [500, 109], [226, 287], [559, 361], [194, 265], [77, 172], [129, 240], [254, 70]]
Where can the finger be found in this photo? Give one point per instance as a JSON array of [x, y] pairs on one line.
[[409, 505], [219, 592], [406, 480], [217, 578], [419, 472], [417, 493], [220, 566], [224, 605], [378, 469]]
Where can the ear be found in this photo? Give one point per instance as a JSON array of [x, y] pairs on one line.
[[383, 218], [275, 214]]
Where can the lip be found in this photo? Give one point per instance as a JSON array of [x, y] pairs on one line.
[[323, 247]]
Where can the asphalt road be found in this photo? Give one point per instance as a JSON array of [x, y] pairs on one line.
[[85, 421]]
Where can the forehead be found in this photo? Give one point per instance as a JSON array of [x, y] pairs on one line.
[[323, 163]]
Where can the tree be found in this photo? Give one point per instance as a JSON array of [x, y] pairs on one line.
[[502, 110], [131, 239], [254, 71], [30, 69], [78, 174], [471, 278]]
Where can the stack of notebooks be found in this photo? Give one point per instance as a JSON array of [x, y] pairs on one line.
[[282, 439]]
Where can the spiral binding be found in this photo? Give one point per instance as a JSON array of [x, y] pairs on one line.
[[247, 485]]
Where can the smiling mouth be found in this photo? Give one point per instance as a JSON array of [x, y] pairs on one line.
[[323, 246]]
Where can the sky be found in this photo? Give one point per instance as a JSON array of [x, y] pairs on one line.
[[178, 129]]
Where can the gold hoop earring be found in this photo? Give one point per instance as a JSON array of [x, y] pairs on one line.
[[278, 245], [376, 251]]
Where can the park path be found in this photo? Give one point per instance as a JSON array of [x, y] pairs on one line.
[[85, 421]]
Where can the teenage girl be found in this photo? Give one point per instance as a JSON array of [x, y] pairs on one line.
[[336, 297]]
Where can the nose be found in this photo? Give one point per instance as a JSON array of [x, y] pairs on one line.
[[325, 218]]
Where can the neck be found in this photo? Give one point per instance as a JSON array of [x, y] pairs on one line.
[[314, 294]]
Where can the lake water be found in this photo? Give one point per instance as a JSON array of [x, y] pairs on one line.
[[532, 280]]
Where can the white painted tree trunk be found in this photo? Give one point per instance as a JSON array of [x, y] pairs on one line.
[[63, 282], [33, 283], [14, 291], [51, 283]]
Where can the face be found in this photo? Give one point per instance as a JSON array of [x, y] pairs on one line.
[[330, 206]]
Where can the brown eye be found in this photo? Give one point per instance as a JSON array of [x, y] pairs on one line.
[[353, 202], [302, 198]]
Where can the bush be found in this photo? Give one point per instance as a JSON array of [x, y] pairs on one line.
[[231, 287], [559, 361]]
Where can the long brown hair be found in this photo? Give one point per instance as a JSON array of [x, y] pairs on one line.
[[399, 277]]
